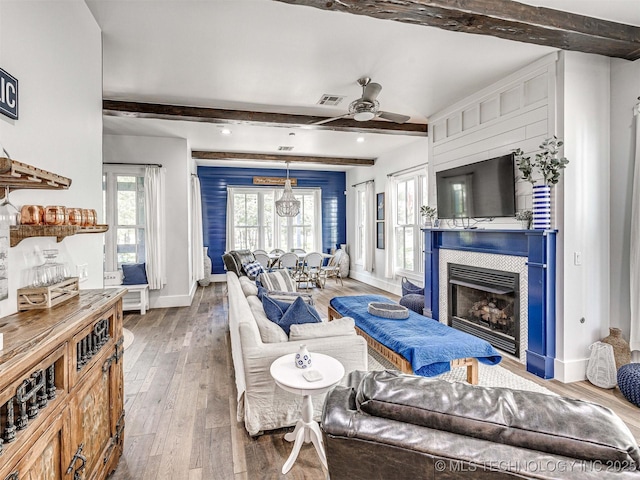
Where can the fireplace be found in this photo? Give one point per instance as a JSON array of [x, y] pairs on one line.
[[529, 253], [485, 303]]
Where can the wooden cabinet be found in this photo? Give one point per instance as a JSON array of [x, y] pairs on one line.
[[61, 390]]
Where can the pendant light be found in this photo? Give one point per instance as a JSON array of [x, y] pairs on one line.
[[287, 206]]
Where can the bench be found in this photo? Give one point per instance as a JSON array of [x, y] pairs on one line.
[[137, 297], [417, 345]]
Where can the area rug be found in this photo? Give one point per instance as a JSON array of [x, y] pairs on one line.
[[488, 375], [128, 337]]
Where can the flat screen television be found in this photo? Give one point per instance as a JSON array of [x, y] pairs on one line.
[[478, 190]]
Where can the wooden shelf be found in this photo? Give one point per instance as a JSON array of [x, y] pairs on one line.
[[17, 175], [20, 232]]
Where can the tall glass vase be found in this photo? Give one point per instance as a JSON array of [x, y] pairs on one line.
[[541, 207]]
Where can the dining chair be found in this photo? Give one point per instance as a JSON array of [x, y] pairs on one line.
[[263, 259], [332, 268], [259, 250], [299, 250], [311, 269], [276, 251], [289, 261]]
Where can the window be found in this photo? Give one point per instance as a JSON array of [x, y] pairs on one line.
[[410, 195], [256, 224], [360, 225], [123, 203]]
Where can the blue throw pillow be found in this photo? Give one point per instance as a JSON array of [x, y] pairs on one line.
[[286, 314], [134, 274], [273, 309]]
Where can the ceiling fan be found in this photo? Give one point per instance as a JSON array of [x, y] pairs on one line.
[[367, 107]]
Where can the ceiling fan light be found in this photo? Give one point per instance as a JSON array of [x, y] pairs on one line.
[[364, 116]]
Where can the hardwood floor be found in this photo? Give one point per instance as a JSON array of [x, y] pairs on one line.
[[180, 397]]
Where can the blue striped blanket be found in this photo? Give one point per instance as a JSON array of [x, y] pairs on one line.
[[427, 344]]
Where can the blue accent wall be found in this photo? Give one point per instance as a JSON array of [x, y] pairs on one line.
[[214, 182]]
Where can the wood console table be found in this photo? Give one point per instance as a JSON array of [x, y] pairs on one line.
[[61, 389]]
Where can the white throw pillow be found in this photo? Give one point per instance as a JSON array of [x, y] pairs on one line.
[[336, 328], [248, 286], [270, 332]]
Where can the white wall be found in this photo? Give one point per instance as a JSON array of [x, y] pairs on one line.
[[625, 90], [583, 213], [174, 155], [59, 129], [516, 112], [416, 153]]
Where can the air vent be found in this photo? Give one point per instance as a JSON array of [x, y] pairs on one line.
[[285, 148], [330, 100]]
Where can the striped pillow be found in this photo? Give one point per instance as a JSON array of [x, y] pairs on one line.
[[279, 280]]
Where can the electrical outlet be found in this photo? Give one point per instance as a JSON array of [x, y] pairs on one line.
[[82, 272]]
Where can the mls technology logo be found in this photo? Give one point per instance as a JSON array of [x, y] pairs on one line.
[[8, 95]]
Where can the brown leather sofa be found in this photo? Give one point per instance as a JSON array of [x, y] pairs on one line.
[[391, 425], [235, 259]]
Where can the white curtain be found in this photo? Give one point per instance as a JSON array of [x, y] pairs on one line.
[[197, 247], [369, 227], [230, 233], [155, 234], [389, 230], [317, 227], [634, 284]]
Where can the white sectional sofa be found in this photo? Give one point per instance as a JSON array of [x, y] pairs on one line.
[[262, 405]]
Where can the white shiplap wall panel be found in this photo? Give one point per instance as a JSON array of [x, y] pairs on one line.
[[516, 112], [445, 149]]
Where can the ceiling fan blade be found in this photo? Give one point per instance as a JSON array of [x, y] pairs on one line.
[[371, 91], [327, 120], [394, 117]]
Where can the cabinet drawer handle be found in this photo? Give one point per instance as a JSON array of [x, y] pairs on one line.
[[77, 456], [13, 476]]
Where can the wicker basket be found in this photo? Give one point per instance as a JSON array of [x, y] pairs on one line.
[[388, 310]]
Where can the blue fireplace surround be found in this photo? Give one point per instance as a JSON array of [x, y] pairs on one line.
[[539, 246]]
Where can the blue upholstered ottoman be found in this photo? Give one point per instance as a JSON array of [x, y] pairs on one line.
[[629, 382], [413, 301]]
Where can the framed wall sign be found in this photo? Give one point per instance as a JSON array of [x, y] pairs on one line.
[[8, 95], [380, 235], [380, 206]]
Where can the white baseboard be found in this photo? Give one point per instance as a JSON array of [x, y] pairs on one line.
[[388, 285], [218, 277], [171, 301], [570, 371]]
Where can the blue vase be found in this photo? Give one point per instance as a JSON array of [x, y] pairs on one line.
[[541, 207]]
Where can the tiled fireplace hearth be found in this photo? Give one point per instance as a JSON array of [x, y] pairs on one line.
[[497, 284]]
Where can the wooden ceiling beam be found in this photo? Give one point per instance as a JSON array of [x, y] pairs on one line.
[[266, 157], [501, 18], [119, 108]]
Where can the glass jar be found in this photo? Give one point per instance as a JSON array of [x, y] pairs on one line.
[[32, 215], [55, 215], [74, 216]]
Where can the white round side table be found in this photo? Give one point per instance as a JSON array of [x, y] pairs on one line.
[[289, 378]]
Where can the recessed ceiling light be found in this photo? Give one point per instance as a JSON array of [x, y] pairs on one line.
[[360, 139], [225, 131]]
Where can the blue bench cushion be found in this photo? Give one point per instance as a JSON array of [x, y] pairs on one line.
[[428, 345]]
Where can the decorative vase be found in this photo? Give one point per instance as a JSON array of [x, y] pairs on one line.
[[207, 269], [302, 358], [541, 207], [621, 349]]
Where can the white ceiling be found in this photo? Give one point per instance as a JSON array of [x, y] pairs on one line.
[[268, 56]]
